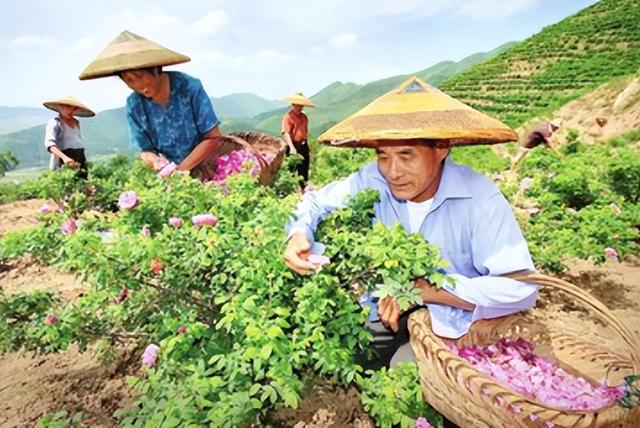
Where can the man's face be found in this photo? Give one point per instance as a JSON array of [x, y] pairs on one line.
[[144, 82], [67, 111], [412, 171]]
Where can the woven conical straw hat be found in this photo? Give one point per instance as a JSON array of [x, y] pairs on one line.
[[82, 110], [129, 51], [299, 99], [417, 112]]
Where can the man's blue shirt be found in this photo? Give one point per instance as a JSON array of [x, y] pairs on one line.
[[469, 220]]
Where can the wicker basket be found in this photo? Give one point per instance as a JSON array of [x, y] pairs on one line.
[[470, 398], [256, 142]]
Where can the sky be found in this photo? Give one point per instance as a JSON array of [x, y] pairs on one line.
[[267, 47]]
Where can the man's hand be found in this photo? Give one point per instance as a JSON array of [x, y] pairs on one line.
[[389, 313], [296, 253], [70, 163]]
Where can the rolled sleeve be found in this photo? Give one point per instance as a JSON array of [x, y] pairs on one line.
[[50, 137], [498, 248], [316, 206]]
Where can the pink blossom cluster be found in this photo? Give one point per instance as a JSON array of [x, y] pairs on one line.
[[150, 355], [128, 200], [175, 222], [204, 220], [235, 162], [423, 423], [51, 320], [69, 226], [45, 209], [318, 259], [612, 254], [167, 170], [514, 363]]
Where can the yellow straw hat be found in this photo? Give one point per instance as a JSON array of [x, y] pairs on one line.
[[82, 110], [129, 51], [415, 111], [299, 99]]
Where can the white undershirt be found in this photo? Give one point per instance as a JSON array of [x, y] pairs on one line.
[[417, 213]]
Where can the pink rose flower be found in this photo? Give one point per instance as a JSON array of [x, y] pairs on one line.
[[319, 259], [51, 320], [150, 355], [204, 220], [611, 253], [175, 222], [182, 329], [45, 209], [128, 200], [422, 423], [69, 226], [145, 231], [167, 170]]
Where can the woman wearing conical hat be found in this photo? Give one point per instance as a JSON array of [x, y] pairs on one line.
[[170, 116], [295, 130], [63, 138], [461, 211]]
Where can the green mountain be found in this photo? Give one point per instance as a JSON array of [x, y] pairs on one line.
[[561, 63], [105, 134], [244, 105], [339, 100], [14, 119]]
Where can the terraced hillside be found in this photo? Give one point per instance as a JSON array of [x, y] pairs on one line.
[[559, 64]]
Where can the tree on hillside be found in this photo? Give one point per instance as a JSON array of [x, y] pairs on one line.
[[7, 162]]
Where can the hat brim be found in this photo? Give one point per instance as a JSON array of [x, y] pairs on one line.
[[81, 111], [115, 65], [299, 101]]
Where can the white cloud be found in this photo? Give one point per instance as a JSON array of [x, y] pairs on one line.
[[270, 56], [212, 22], [342, 41], [490, 10], [31, 42], [82, 44]]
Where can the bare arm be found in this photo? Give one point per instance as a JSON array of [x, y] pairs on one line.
[[66, 159], [287, 139], [202, 150], [390, 312], [431, 294]]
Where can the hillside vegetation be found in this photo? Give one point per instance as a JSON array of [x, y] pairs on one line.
[[559, 64], [339, 100]]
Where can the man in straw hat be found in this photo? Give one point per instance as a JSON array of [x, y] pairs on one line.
[[540, 134], [170, 115], [295, 130], [461, 211], [62, 136]]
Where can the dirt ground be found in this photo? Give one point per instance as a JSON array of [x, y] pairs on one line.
[[33, 386]]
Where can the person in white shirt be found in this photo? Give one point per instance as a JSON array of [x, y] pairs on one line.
[[63, 138]]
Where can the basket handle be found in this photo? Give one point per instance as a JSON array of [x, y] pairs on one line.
[[586, 297]]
